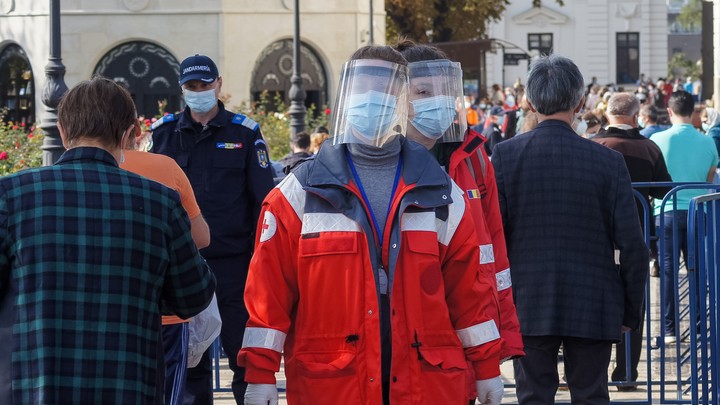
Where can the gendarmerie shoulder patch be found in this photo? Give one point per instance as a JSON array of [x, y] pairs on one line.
[[164, 120], [240, 119]]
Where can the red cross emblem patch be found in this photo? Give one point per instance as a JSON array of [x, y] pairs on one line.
[[268, 227]]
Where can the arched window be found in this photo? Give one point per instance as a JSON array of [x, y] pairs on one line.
[[17, 86], [273, 71], [149, 71]]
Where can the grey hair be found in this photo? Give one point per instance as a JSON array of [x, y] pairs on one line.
[[554, 84], [623, 105]]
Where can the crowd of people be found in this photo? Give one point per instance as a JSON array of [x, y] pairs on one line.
[[374, 259]]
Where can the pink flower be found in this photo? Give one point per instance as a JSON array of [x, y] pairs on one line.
[[30, 135], [4, 155], [327, 111], [15, 127]]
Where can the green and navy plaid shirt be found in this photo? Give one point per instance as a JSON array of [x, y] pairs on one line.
[[88, 255]]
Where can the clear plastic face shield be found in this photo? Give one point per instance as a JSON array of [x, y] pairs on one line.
[[371, 106], [437, 108]]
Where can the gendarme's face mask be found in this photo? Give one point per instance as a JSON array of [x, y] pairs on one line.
[[371, 113], [433, 115], [200, 101]]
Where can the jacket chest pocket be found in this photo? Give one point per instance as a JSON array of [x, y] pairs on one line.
[[317, 245], [228, 174], [331, 281]]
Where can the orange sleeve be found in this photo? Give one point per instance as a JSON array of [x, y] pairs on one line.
[[187, 196]]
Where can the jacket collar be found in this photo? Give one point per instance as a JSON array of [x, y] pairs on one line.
[[329, 176], [331, 168], [218, 120], [615, 132], [87, 153], [473, 140]]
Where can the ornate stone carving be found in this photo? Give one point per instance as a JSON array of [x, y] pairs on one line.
[[7, 6], [136, 5]]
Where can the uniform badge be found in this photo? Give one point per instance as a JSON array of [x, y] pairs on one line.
[[472, 194], [268, 227], [263, 160], [228, 145]]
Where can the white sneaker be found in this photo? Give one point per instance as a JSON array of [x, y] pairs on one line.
[[670, 339]]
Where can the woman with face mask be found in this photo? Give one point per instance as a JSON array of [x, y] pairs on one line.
[[361, 274], [434, 83]]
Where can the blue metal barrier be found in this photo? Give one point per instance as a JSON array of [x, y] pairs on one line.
[[682, 369], [703, 232]]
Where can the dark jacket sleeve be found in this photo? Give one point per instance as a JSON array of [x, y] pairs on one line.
[[259, 174], [628, 239], [189, 284]]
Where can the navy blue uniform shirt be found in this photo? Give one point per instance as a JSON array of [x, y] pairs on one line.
[[228, 165]]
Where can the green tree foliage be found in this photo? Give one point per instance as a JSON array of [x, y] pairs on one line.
[[690, 17], [271, 113], [680, 66], [444, 20]]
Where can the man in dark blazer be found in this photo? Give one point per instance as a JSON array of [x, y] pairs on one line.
[[567, 204], [645, 163]]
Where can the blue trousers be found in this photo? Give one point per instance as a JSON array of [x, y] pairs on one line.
[[668, 262], [175, 343]]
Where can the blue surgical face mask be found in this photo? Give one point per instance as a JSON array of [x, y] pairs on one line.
[[581, 127], [641, 122], [200, 101], [371, 113], [433, 115], [705, 126], [500, 120]]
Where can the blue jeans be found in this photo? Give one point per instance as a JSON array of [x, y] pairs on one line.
[[669, 263]]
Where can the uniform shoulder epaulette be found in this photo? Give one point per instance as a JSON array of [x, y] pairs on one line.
[[240, 119], [164, 120]]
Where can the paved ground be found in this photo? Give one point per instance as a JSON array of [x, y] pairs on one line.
[[563, 396]]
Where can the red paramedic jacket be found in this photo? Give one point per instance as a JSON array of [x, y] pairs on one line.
[[312, 295], [471, 169]]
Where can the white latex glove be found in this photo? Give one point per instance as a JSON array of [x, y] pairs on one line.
[[490, 391], [261, 394]]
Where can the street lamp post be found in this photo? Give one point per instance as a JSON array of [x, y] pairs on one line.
[[54, 89], [297, 94], [372, 23]]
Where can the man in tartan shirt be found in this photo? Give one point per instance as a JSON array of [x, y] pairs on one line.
[[89, 254]]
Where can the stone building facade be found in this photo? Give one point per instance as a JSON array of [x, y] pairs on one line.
[[612, 40], [142, 42]]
